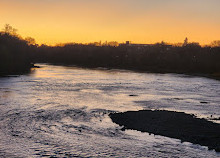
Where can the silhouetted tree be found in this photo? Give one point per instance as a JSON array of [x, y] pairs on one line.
[[159, 57], [215, 43], [14, 52], [17, 54], [30, 40], [8, 29], [185, 41]]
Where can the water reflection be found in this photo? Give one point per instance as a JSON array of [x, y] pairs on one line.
[[63, 111]]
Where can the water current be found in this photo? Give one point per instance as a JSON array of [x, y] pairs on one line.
[[58, 111]]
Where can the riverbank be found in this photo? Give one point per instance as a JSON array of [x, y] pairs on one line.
[[190, 59], [215, 76], [171, 124]]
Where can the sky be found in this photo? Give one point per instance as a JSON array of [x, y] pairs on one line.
[[139, 21]]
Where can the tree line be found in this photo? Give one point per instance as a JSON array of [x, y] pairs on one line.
[[17, 54], [191, 58]]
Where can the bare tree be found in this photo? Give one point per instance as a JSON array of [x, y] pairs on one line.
[[30, 40], [185, 41], [8, 29], [215, 43]]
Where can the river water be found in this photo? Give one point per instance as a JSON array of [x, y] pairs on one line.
[[58, 111]]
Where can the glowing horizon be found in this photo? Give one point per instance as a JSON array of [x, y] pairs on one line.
[[141, 21]]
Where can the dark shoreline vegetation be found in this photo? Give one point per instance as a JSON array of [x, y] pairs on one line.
[[17, 56], [171, 124], [158, 58]]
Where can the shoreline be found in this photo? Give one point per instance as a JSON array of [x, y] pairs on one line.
[[178, 125], [215, 76]]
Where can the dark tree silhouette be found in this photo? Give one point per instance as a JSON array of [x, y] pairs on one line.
[[17, 54], [215, 43], [14, 52], [160, 57]]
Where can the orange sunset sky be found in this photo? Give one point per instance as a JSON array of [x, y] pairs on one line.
[[139, 21]]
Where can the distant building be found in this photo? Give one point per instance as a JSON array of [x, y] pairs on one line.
[[127, 42], [140, 45]]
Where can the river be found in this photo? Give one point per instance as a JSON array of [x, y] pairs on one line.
[[58, 111]]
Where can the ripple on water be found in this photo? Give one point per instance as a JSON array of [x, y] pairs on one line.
[[63, 112]]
